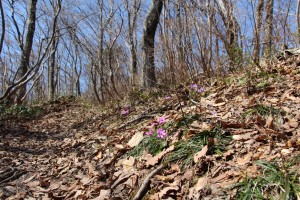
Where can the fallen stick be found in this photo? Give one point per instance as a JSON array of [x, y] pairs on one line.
[[136, 120], [146, 183]]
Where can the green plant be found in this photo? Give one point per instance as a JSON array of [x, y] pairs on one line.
[[264, 111], [275, 182], [151, 144], [19, 111], [185, 151]]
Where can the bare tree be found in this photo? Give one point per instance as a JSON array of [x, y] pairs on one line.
[[268, 35], [257, 31], [150, 25], [3, 26], [132, 14], [54, 44], [25, 56], [298, 20], [232, 29]]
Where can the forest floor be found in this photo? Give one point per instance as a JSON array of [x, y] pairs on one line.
[[236, 137]]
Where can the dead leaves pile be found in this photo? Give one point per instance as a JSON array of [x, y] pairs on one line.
[[79, 153]]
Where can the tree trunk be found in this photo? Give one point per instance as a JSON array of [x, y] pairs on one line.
[[298, 20], [150, 26], [267, 47], [257, 31], [132, 15], [3, 26], [232, 33], [51, 70], [26, 51]]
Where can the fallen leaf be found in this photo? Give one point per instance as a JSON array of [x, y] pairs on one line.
[[200, 154], [201, 183], [244, 160], [136, 139], [154, 160], [286, 152], [246, 136], [167, 190], [293, 123], [269, 121]]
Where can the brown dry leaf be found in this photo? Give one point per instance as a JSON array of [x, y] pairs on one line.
[[167, 190], [188, 175], [132, 181], [126, 163], [91, 167], [228, 124], [200, 154], [33, 184], [245, 159], [222, 177], [202, 127], [166, 178], [243, 137], [293, 123], [98, 156], [196, 124], [286, 152], [136, 139], [154, 160], [124, 176], [269, 121], [201, 183]]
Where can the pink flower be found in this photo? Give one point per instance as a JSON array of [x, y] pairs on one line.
[[149, 132], [194, 86], [152, 124], [161, 120], [168, 97], [125, 112], [214, 113], [161, 133], [201, 89]]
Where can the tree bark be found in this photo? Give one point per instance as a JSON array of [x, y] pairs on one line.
[[232, 29], [25, 57], [3, 26], [298, 20], [257, 31], [267, 47], [51, 69], [132, 15], [150, 26]]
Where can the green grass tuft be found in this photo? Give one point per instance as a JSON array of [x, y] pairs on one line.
[[275, 182]]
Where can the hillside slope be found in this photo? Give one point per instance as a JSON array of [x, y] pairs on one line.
[[230, 138]]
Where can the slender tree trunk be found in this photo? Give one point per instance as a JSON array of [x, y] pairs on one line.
[[150, 25], [3, 26], [257, 31], [232, 33], [51, 71], [267, 47], [25, 57], [132, 15], [298, 20]]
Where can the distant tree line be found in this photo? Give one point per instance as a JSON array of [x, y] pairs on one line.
[[104, 49]]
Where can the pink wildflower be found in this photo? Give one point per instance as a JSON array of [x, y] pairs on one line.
[[150, 132], [201, 89], [161, 133], [153, 124], [168, 97], [125, 112], [161, 120], [194, 86]]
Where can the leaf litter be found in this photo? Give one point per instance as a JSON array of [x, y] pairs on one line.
[[77, 152]]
